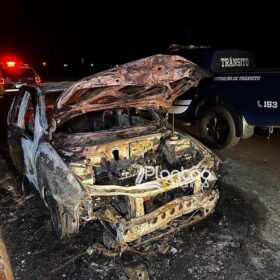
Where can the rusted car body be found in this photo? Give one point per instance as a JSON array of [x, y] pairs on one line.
[[86, 154]]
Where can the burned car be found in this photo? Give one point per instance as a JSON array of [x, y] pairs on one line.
[[103, 150]]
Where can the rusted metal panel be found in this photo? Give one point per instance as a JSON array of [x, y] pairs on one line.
[[5, 266], [157, 81], [139, 226]]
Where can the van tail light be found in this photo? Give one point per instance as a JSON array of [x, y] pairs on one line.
[[37, 80], [2, 81]]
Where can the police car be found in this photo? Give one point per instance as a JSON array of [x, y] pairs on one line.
[[14, 74]]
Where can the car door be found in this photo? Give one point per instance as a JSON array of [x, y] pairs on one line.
[[24, 132]]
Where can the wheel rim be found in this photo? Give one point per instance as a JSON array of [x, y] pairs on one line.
[[218, 129]]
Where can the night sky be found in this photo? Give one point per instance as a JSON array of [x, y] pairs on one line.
[[119, 31]]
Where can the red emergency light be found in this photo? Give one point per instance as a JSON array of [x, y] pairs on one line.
[[10, 64], [10, 61]]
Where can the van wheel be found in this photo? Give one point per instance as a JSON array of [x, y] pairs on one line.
[[217, 128], [63, 222]]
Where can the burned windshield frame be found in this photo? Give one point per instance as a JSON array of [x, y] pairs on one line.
[[112, 119]]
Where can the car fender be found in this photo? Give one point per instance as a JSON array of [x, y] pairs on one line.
[[53, 173]]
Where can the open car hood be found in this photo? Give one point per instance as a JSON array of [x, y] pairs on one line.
[[152, 82]]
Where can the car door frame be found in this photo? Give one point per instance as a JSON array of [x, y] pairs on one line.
[[22, 146]]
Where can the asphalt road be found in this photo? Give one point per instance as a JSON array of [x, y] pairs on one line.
[[241, 240]]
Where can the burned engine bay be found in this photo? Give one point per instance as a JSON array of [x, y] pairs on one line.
[[159, 153], [139, 150], [128, 158]]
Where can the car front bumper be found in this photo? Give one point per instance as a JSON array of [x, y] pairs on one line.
[[139, 222], [137, 227]]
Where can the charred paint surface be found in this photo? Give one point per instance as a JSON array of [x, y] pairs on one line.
[[155, 81]]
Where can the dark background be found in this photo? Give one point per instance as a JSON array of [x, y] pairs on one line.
[[112, 32]]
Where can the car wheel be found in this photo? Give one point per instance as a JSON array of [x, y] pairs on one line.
[[217, 128], [64, 223]]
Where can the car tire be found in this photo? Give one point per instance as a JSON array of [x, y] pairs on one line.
[[63, 222], [217, 128]]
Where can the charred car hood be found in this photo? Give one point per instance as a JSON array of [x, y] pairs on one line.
[[152, 82]]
